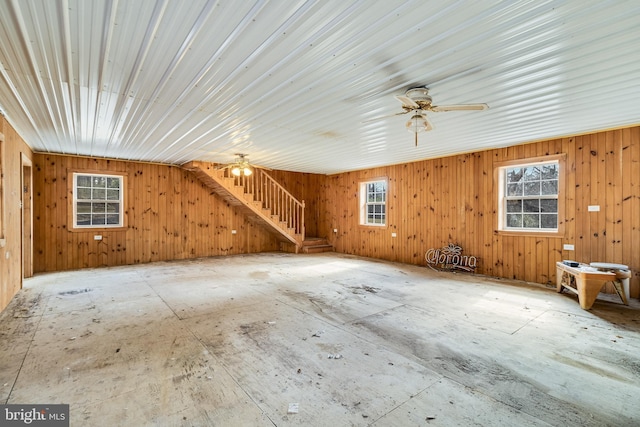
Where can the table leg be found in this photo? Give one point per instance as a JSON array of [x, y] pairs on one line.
[[588, 290]]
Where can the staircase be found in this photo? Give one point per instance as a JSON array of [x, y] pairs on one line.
[[258, 196]]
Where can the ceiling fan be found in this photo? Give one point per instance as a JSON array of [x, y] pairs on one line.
[[240, 166], [417, 102]]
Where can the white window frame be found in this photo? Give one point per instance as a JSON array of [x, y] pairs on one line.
[[98, 200], [365, 203], [501, 171]]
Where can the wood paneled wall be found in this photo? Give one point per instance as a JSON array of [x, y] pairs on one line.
[[14, 148], [305, 187], [452, 199], [170, 215], [431, 203]]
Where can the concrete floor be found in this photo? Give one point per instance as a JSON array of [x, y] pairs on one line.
[[241, 340]]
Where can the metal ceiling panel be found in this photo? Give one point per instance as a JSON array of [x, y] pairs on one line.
[[298, 85]]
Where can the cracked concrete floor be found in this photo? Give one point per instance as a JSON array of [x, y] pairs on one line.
[[347, 341]]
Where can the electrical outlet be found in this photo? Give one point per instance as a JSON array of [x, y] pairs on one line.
[[335, 230], [568, 247], [97, 237], [234, 231], [593, 208], [394, 235]]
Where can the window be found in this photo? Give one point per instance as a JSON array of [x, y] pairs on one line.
[[98, 200], [528, 195], [373, 203]]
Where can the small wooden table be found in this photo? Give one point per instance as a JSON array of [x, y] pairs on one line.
[[585, 281]]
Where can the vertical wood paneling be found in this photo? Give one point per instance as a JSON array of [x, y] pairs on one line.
[[14, 148], [431, 203], [170, 214], [454, 201]]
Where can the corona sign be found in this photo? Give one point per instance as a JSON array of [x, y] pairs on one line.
[[450, 258]]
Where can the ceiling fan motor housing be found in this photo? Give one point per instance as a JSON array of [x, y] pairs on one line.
[[420, 96]]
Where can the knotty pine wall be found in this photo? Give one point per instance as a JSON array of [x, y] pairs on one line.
[[453, 199], [432, 203], [11, 252], [305, 187], [170, 214]]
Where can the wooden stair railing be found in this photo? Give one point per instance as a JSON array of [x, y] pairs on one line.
[[261, 194]]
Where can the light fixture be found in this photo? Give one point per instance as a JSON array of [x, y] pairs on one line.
[[417, 123], [241, 170]]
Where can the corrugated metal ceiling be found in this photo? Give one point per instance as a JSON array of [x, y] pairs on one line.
[[295, 84]]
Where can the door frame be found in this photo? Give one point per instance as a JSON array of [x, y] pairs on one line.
[[26, 202]]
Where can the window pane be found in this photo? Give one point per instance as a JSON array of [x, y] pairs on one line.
[[531, 221], [532, 189], [532, 173], [99, 194], [113, 219], [550, 171], [113, 194], [99, 182], [549, 187], [99, 207], [113, 207], [113, 182], [549, 205], [84, 193], [83, 207], [514, 189], [514, 175], [84, 181], [97, 219], [549, 221], [84, 219], [514, 220], [514, 205], [531, 205]]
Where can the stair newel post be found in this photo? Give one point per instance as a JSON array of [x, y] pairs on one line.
[[302, 228]]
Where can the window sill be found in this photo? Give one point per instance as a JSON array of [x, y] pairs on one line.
[[97, 229], [530, 233], [380, 227]]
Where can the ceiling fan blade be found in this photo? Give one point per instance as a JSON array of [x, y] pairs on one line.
[[459, 107], [220, 167], [408, 102]]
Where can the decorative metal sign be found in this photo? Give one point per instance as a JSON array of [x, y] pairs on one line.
[[450, 258]]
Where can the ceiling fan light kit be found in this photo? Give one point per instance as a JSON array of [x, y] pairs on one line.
[[417, 123], [240, 166], [241, 170]]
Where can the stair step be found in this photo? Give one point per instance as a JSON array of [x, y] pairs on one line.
[[316, 249], [314, 241]]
